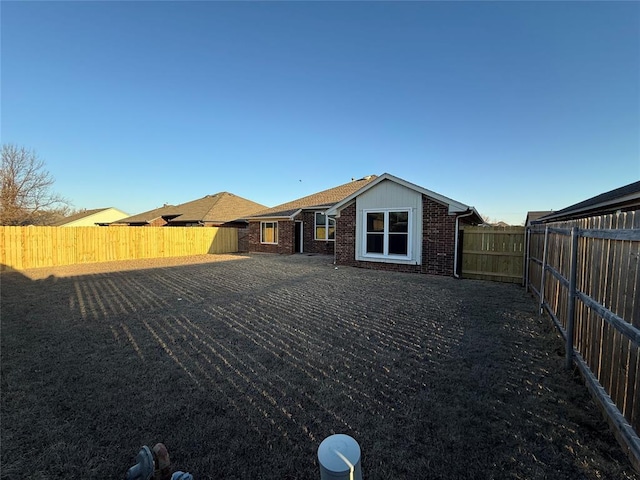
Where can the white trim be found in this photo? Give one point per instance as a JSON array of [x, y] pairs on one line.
[[386, 233], [454, 207], [295, 225], [276, 233], [326, 227]]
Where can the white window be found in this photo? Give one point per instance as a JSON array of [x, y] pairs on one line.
[[269, 232], [325, 228], [387, 233]]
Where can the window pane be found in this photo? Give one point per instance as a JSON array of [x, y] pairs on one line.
[[399, 221], [375, 222], [375, 243], [398, 244], [320, 233], [320, 219], [269, 232]]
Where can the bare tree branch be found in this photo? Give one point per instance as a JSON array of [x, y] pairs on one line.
[[25, 188]]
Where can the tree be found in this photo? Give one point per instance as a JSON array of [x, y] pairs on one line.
[[25, 189]]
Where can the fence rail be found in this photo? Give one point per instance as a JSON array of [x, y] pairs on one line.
[[493, 253], [33, 247], [586, 275]]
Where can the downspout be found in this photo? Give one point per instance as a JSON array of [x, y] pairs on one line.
[[455, 251]]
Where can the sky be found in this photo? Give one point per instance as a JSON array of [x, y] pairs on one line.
[[505, 106]]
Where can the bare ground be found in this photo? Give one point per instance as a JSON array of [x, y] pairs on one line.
[[242, 365]]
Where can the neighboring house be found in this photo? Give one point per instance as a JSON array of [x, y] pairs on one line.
[[222, 209], [533, 216], [301, 225], [91, 218], [392, 224], [621, 199], [158, 217]]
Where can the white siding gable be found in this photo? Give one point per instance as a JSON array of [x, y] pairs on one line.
[[391, 195]]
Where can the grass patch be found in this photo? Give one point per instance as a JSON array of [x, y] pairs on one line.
[[243, 367]]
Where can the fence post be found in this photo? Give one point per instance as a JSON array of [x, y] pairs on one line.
[[527, 256], [544, 268], [571, 307]]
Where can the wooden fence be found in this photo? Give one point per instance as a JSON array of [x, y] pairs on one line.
[[34, 247], [586, 275], [493, 253]]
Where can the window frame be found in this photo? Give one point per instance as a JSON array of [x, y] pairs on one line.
[[326, 226], [386, 233], [263, 225]]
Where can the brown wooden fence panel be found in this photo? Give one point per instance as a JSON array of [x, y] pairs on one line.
[[33, 247], [493, 253], [607, 284]]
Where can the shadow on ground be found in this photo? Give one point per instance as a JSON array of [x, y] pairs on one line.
[[242, 368]]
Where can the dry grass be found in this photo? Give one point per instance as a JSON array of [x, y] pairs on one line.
[[243, 367]]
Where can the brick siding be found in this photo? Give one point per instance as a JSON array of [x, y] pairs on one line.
[[285, 238], [310, 244], [438, 241], [438, 238]]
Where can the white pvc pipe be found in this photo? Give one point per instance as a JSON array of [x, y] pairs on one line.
[[455, 245], [339, 458]]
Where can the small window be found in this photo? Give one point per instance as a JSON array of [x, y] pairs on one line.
[[269, 232], [325, 228], [387, 233]]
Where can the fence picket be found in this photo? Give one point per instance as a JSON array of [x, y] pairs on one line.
[[34, 247], [493, 253], [607, 313]]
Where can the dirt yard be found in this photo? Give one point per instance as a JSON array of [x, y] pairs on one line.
[[243, 365]]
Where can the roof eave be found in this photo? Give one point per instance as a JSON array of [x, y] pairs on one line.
[[454, 206], [624, 202]]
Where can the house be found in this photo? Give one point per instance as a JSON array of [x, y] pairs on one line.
[[392, 224], [222, 209], [158, 217], [91, 218], [619, 200], [301, 225], [533, 216]]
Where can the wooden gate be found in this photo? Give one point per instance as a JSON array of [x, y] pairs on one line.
[[493, 253]]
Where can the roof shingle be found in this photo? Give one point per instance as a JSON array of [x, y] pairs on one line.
[[323, 199], [216, 209]]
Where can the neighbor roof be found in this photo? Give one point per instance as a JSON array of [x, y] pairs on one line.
[[320, 200], [623, 198], [77, 216], [533, 216], [218, 208], [151, 215]]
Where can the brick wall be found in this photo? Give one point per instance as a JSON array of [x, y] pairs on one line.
[[345, 244], [438, 238], [438, 241], [285, 238], [310, 245]]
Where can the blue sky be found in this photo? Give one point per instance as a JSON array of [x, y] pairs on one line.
[[506, 106]]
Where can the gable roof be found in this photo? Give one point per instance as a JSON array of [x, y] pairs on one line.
[[623, 198], [454, 206], [323, 199], [150, 215], [533, 216], [216, 209], [84, 214], [76, 216]]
